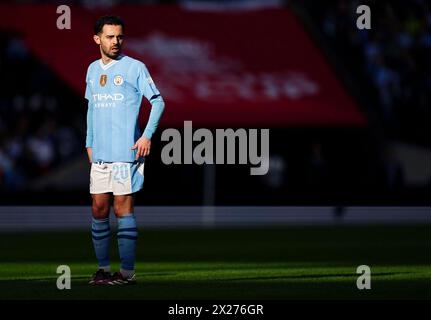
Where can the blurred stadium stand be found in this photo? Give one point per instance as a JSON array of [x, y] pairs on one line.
[[47, 218], [348, 110]]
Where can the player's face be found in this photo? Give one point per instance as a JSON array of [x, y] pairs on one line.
[[110, 40]]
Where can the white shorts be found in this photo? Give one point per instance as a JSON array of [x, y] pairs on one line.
[[120, 178]]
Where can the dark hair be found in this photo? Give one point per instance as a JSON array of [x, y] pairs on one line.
[[111, 20]]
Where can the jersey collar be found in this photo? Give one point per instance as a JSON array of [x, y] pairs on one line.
[[110, 64]]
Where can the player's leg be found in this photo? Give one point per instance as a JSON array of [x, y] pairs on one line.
[[100, 228], [127, 236], [123, 205], [127, 179], [100, 188], [101, 234]]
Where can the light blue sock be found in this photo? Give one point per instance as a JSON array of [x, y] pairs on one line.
[[127, 236], [101, 233]]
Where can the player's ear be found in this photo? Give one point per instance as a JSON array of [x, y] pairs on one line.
[[96, 39]]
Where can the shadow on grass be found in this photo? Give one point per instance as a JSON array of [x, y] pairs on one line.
[[354, 244]]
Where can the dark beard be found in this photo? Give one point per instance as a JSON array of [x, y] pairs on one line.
[[112, 56]]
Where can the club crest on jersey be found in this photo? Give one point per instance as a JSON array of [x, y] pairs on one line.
[[118, 80], [103, 80]]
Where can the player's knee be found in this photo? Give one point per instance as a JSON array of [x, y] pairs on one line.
[[100, 210], [119, 209]]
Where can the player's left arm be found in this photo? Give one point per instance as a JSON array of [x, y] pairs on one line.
[[143, 145], [147, 87]]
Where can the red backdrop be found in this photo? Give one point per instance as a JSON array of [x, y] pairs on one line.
[[253, 68]]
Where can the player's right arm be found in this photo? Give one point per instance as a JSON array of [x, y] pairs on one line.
[[89, 137], [90, 154]]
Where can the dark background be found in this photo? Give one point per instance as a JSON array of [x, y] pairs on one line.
[[386, 70]]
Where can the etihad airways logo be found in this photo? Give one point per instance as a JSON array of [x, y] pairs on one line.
[[106, 100]]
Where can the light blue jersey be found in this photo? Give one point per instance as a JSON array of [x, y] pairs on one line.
[[114, 93]]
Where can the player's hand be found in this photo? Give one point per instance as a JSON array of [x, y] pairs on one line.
[[143, 146], [90, 154]]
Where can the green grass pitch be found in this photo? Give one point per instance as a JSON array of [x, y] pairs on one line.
[[315, 262]]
